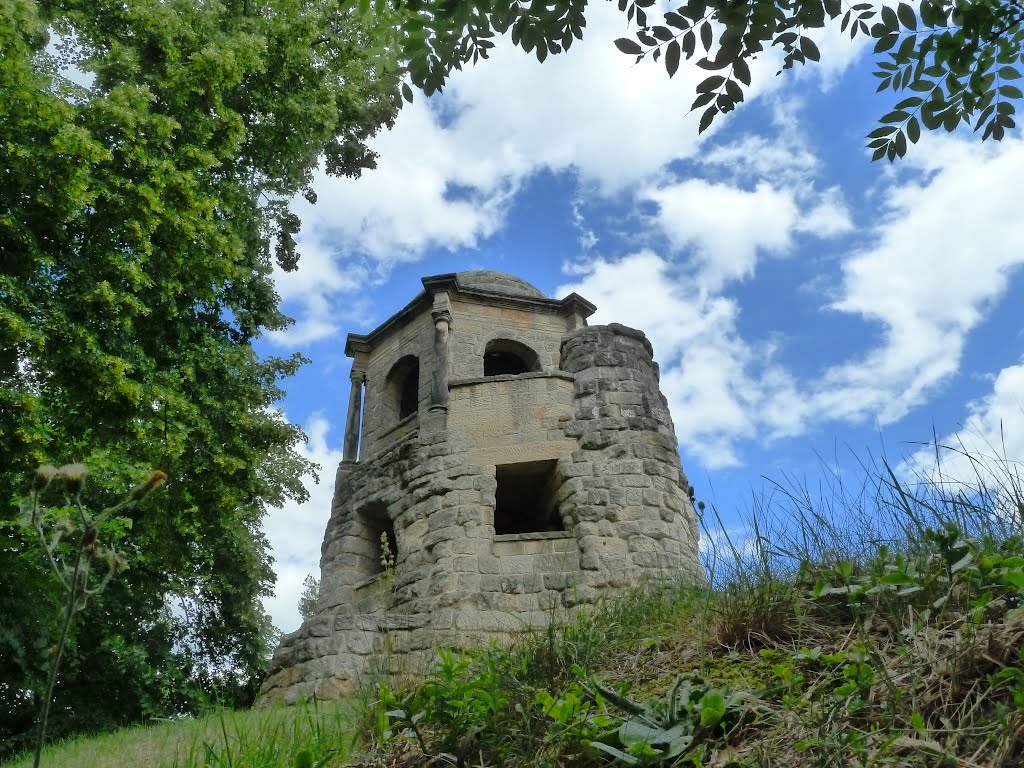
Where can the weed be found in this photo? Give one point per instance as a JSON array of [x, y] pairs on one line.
[[73, 540]]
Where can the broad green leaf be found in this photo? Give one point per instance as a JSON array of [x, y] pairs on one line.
[[809, 49], [706, 118], [906, 16], [628, 46], [672, 54], [913, 130], [886, 42], [712, 708]]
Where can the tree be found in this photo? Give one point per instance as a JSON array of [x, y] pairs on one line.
[[139, 213], [953, 61], [307, 600]]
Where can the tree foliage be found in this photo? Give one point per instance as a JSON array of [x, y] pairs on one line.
[[950, 62], [308, 597], [148, 151]]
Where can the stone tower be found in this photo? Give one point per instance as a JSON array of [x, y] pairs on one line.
[[511, 461]]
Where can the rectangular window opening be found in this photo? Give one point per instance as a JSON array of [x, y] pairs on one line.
[[380, 532], [525, 498]]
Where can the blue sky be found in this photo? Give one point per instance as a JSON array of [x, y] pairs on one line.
[[803, 302]]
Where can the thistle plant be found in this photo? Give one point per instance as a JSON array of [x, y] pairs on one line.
[[71, 537]]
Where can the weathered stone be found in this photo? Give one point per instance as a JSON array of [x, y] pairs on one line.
[[528, 404]]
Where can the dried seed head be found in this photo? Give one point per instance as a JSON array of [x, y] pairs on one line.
[[118, 562], [155, 480], [44, 474], [74, 478]]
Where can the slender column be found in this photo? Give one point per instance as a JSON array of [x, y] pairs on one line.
[[352, 422], [442, 325]]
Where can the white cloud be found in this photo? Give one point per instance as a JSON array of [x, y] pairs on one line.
[[295, 531], [988, 444], [727, 225], [939, 259], [707, 369], [450, 169]]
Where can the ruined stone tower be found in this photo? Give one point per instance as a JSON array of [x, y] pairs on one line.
[[511, 461]]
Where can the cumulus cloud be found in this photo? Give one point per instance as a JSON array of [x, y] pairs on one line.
[[727, 226], [989, 443], [296, 530], [452, 166], [939, 258], [707, 369]]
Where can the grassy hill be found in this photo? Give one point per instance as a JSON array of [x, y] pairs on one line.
[[878, 624]]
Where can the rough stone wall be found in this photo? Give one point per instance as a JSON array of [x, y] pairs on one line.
[[476, 324], [621, 495], [624, 489], [380, 417]]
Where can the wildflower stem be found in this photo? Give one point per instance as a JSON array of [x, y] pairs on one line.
[[69, 615]]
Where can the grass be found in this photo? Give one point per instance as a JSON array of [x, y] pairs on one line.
[[259, 738], [878, 621]]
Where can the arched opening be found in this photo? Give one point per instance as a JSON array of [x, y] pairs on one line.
[[404, 386], [378, 532], [504, 356]]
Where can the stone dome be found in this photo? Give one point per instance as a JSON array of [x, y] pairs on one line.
[[497, 282]]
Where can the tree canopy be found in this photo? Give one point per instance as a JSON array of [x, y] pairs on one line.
[[148, 153], [949, 62]]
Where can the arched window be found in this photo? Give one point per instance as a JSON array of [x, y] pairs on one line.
[[504, 356], [404, 386]]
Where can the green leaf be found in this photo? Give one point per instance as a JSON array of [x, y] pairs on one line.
[[896, 116], [913, 130], [712, 83], [889, 19], [705, 35], [809, 49], [896, 578], [618, 754], [672, 55], [712, 708], [407, 92], [901, 150], [886, 42], [706, 118], [628, 46], [907, 17], [1010, 92], [962, 563], [741, 71], [911, 101], [1009, 73], [1014, 579], [702, 100]]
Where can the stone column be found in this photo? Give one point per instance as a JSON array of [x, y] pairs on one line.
[[442, 325], [352, 422]]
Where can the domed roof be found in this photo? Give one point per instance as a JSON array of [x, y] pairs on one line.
[[497, 282]]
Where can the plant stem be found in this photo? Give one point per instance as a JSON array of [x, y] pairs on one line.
[[69, 614]]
